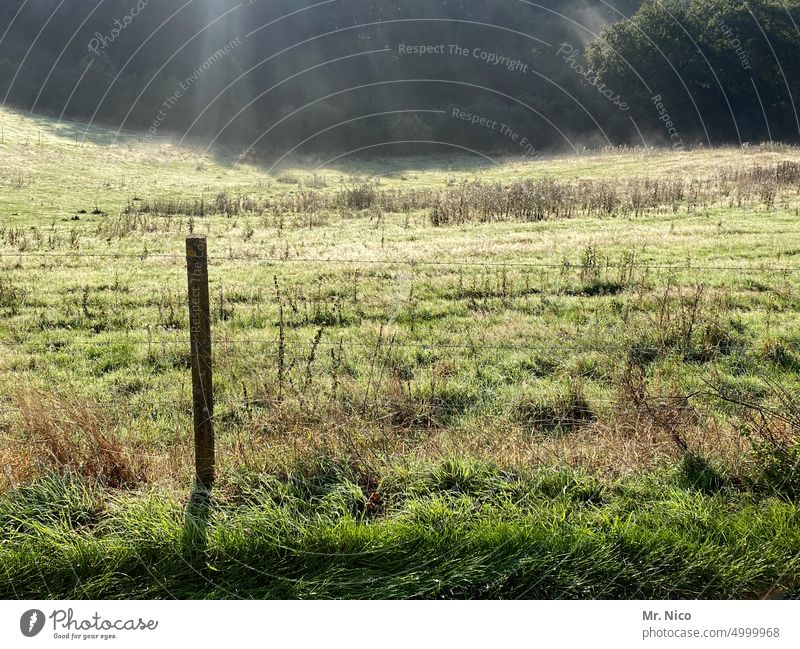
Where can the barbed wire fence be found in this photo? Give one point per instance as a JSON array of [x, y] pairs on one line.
[[200, 340]]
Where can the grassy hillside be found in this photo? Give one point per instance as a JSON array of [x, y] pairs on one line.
[[568, 377]]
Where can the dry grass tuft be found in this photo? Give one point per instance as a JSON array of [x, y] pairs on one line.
[[18, 467], [72, 436]]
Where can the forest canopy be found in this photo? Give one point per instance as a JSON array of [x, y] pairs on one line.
[[508, 76]]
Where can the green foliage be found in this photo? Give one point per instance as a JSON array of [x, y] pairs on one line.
[[702, 59], [60, 502], [560, 536], [777, 469]]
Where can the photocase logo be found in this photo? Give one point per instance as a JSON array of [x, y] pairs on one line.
[[31, 622]]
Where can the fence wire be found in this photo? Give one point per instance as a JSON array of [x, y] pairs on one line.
[[566, 264]]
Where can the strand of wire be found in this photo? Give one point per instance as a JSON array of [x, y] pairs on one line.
[[384, 343], [566, 264]]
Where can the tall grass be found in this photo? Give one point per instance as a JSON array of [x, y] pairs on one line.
[[452, 531]]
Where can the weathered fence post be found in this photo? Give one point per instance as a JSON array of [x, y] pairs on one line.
[[200, 340]]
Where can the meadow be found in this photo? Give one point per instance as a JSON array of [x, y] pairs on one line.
[[435, 377]]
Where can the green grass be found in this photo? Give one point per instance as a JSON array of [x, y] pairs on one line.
[[454, 531], [513, 385]]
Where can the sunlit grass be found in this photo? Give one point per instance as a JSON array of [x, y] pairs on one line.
[[456, 530], [476, 409]]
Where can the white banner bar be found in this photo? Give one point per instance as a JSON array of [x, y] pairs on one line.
[[348, 625]]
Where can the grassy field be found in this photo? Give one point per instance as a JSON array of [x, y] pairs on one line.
[[567, 377]]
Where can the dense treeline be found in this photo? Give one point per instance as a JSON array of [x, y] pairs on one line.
[[510, 76], [722, 69]]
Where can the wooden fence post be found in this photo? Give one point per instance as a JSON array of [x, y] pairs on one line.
[[200, 340]]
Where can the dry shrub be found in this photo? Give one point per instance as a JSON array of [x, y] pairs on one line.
[[566, 411], [361, 196], [663, 416], [776, 454], [773, 430], [73, 436], [405, 410]]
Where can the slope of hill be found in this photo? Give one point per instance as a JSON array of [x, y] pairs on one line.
[[435, 377]]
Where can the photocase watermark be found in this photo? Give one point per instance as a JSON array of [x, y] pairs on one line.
[[570, 55], [664, 116], [66, 626], [185, 85], [452, 49], [734, 43], [505, 130], [100, 41], [31, 622]]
